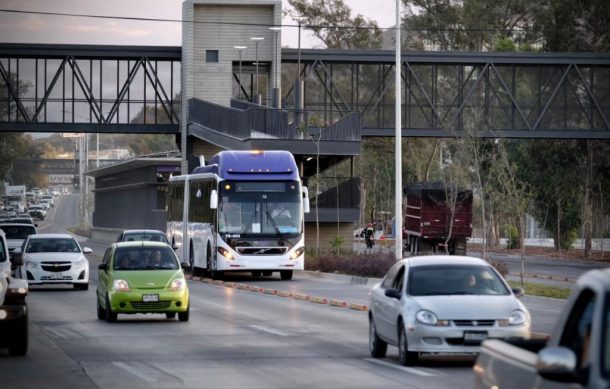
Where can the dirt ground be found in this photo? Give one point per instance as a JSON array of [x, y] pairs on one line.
[[572, 254]]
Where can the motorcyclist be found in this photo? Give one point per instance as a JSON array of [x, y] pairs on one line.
[[369, 234]]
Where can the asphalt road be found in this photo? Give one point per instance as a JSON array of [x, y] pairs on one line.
[[234, 339]]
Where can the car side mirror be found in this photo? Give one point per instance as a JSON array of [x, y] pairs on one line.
[[17, 259], [175, 247], [393, 293], [557, 364], [87, 250], [103, 266], [518, 292], [185, 265]]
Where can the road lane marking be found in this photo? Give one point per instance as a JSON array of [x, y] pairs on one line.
[[411, 370], [56, 333], [269, 330], [133, 371]]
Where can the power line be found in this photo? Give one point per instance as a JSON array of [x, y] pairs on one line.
[[309, 26]]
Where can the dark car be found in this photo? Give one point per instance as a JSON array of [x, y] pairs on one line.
[[36, 214], [146, 235]]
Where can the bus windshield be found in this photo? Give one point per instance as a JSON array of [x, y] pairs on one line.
[[260, 208]]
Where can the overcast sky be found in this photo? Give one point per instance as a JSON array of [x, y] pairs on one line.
[[21, 28]]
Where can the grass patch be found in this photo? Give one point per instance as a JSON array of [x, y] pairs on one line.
[[535, 289]]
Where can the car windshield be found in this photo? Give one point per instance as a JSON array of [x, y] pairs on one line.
[[2, 251], [149, 236], [145, 258], [455, 280], [17, 232], [52, 245]]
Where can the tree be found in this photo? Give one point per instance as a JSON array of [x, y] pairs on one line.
[[331, 21]]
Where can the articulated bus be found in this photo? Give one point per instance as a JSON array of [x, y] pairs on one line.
[[242, 211]]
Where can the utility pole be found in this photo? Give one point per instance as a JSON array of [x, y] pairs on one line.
[[398, 205]]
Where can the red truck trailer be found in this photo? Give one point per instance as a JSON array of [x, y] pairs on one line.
[[427, 221]]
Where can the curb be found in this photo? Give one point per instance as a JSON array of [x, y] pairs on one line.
[[280, 293], [544, 277]]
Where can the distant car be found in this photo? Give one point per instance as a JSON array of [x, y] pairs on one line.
[[16, 234], [141, 277], [151, 235], [38, 214], [443, 305], [56, 259], [23, 220]]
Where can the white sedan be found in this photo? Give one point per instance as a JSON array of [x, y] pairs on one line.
[[443, 305], [56, 259]]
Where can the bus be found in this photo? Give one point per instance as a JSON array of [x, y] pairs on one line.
[[242, 211]]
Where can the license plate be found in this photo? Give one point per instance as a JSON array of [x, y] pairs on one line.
[[56, 276], [475, 336], [148, 298]]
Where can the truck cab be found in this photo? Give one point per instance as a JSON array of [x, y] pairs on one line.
[[14, 325]]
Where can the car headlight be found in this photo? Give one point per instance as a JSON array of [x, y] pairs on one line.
[[32, 264], [426, 317], [226, 253], [121, 285], [297, 253], [80, 264], [517, 317], [177, 284]]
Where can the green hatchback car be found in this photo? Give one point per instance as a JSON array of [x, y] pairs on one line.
[[141, 277]]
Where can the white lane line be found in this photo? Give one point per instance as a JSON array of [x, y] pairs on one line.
[[269, 330], [56, 333], [133, 371], [411, 370]]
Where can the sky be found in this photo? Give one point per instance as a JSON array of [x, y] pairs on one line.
[[22, 28]]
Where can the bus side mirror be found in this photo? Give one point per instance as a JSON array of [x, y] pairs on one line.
[[305, 192], [214, 199]]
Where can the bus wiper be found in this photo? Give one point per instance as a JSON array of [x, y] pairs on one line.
[[247, 227], [277, 230]]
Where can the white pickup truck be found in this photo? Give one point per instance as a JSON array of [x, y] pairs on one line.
[[14, 325], [577, 355]]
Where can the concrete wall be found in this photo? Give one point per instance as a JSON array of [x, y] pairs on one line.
[[221, 25], [328, 232]]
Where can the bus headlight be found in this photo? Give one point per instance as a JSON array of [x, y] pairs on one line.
[[297, 253], [226, 253]]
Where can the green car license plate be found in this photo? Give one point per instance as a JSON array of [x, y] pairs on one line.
[[150, 298]]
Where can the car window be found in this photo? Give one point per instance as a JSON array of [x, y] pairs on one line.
[[18, 232], [145, 258], [434, 280], [106, 258], [399, 279], [389, 277], [52, 245], [605, 359], [577, 332], [147, 236], [2, 251]]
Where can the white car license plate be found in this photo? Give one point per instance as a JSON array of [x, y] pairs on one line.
[[475, 336], [56, 276], [149, 298]]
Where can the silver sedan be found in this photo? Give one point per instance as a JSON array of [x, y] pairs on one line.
[[443, 305]]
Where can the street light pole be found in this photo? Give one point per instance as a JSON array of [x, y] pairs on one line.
[[276, 97], [398, 181], [240, 49], [256, 41]]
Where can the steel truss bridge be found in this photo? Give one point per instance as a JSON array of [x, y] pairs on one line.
[[83, 88]]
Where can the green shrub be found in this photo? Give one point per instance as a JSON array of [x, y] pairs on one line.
[[512, 237], [336, 242]]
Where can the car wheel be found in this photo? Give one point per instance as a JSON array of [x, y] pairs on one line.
[[18, 344], [184, 316], [170, 315], [377, 347], [101, 312], [110, 316], [81, 286], [406, 357], [286, 275]]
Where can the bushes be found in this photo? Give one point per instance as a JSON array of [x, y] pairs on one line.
[[512, 237], [500, 266], [363, 265]]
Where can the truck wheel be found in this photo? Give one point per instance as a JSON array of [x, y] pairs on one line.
[[459, 247], [18, 345]]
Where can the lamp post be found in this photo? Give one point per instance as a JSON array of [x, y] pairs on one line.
[[240, 49], [398, 161], [256, 40], [277, 100]]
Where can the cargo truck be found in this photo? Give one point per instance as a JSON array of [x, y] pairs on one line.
[[428, 225]]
